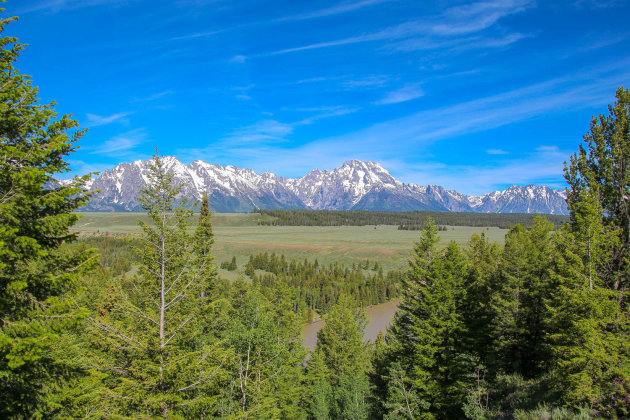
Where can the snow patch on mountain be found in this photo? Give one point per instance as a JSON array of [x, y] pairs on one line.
[[354, 185]]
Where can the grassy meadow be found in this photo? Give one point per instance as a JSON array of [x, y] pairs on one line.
[[239, 234]]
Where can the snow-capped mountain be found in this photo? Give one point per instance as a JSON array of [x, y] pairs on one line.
[[356, 185], [528, 199], [230, 189]]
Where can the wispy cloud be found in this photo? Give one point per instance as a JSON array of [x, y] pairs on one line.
[[533, 167], [59, 5], [200, 34], [416, 132], [94, 120], [458, 44], [154, 96], [547, 149], [80, 167], [341, 8], [477, 16], [122, 144], [455, 22], [344, 7], [267, 131], [571, 92], [238, 59], [368, 81], [496, 152], [407, 93], [328, 113]]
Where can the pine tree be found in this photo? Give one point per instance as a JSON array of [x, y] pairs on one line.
[[265, 372], [204, 238], [519, 305], [483, 267], [338, 369], [36, 270], [321, 392], [156, 357], [589, 335], [601, 171], [429, 327], [589, 311]]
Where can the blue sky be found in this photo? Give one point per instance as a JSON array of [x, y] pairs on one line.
[[473, 96]]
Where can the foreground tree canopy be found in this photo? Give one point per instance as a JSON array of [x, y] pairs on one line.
[[35, 213], [537, 328]]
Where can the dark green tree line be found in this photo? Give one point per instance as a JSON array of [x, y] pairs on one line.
[[318, 287], [408, 220]]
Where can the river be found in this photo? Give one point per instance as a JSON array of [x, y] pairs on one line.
[[379, 317]]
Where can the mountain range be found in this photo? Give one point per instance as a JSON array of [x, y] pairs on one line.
[[356, 185]]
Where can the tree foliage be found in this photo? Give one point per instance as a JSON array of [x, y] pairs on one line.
[[406, 220], [538, 328], [158, 360], [338, 369], [36, 272]]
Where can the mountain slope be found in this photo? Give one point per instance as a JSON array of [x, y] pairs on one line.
[[356, 185]]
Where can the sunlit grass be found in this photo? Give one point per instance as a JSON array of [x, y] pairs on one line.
[[239, 234]]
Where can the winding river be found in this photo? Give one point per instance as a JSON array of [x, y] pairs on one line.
[[379, 318]]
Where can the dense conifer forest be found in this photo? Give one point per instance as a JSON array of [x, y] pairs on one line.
[[537, 328], [406, 220], [318, 288]]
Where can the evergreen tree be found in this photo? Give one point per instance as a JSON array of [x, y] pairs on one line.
[[156, 357], [589, 311], [36, 270], [265, 373], [401, 400], [204, 238], [338, 369], [428, 330], [518, 328], [600, 171], [590, 334], [321, 392], [481, 280], [233, 266], [340, 342]]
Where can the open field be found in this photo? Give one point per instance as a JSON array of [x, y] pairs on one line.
[[239, 234]]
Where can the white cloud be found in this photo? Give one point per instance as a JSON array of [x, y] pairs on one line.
[[154, 96], [496, 152], [476, 17], [369, 81], [59, 5], [547, 149], [437, 32], [538, 167], [415, 132], [407, 93], [330, 112], [238, 59], [122, 144], [264, 131], [94, 120], [200, 34], [80, 167], [343, 7]]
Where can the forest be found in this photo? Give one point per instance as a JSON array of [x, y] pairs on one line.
[[318, 288], [536, 328], [404, 219]]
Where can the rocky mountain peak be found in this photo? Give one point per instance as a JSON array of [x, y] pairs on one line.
[[354, 185]]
